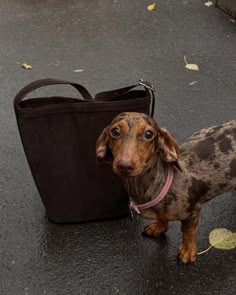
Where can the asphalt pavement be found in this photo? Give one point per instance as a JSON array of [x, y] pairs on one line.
[[107, 44]]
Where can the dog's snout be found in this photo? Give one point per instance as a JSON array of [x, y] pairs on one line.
[[125, 167]]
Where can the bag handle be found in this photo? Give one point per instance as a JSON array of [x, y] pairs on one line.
[[110, 95], [46, 82]]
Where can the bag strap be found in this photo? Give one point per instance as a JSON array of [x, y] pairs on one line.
[[111, 95], [46, 82]]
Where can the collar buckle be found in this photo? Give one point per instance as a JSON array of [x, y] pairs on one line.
[[133, 207]]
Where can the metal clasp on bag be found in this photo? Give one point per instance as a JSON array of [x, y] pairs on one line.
[[146, 84]]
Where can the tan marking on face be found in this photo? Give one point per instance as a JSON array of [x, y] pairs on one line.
[[131, 145]]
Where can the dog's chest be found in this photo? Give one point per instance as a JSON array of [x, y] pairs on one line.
[[173, 208], [176, 205], [179, 203], [172, 212]]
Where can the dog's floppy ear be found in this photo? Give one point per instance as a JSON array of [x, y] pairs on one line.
[[169, 148], [103, 153]]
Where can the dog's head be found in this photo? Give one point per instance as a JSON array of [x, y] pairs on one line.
[[131, 141]]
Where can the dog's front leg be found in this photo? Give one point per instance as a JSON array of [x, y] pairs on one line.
[[188, 247], [156, 228]]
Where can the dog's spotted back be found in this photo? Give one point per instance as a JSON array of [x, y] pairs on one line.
[[210, 154]]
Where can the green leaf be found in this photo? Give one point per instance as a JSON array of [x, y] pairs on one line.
[[221, 238]]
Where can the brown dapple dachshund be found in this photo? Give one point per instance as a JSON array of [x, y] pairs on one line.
[[142, 153]]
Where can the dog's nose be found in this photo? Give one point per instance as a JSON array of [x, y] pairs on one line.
[[125, 167]]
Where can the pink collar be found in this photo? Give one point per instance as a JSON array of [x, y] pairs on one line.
[[158, 198]]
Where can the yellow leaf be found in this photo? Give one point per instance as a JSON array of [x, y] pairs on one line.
[[152, 7], [26, 66], [221, 238], [192, 67], [208, 3]]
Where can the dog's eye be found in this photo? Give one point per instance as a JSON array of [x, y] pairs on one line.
[[148, 135], [115, 132]]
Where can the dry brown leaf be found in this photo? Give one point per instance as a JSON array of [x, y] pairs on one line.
[[152, 7], [26, 66]]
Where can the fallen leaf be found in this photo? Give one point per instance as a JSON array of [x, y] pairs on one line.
[[192, 67], [208, 3], [78, 71], [26, 66], [152, 7], [192, 83], [221, 238]]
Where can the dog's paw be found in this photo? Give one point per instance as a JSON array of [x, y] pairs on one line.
[[187, 254], [155, 229]]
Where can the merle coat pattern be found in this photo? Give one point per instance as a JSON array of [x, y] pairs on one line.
[[204, 167]]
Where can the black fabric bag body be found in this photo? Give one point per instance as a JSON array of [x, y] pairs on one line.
[[59, 136]]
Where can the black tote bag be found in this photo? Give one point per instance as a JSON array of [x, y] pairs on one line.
[[59, 136]]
